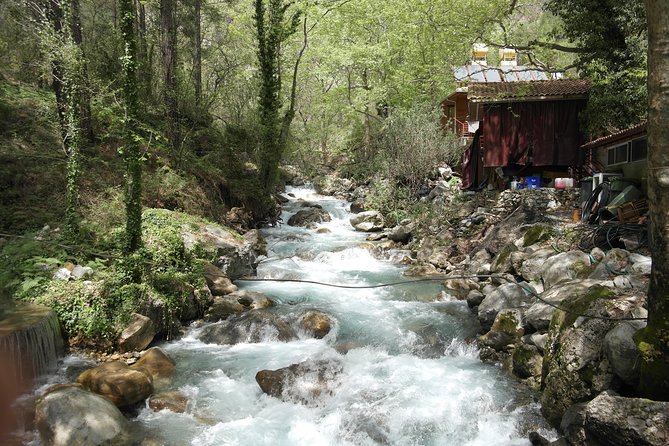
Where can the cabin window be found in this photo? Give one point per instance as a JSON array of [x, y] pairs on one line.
[[618, 154], [639, 149]]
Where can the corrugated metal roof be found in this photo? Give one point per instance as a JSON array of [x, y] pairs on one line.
[[632, 132], [483, 73], [528, 90]]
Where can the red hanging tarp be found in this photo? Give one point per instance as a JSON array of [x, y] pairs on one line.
[[540, 133]]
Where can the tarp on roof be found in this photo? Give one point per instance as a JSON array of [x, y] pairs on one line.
[[537, 133]]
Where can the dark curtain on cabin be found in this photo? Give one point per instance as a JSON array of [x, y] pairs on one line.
[[540, 133], [473, 173]]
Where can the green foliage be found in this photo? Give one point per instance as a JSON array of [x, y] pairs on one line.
[[412, 144]]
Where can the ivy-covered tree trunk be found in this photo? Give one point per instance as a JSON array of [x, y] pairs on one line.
[[272, 28], [169, 52], [654, 340], [131, 150], [197, 51], [68, 77]]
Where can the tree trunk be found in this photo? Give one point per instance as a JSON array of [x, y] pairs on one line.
[[169, 51], [56, 18], [131, 150], [197, 51], [85, 97], [143, 58], [654, 340]]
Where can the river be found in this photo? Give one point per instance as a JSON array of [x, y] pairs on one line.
[[408, 375]]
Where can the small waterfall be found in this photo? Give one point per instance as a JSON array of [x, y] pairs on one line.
[[30, 342]]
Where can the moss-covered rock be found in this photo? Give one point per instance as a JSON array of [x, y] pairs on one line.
[[537, 233], [575, 368]]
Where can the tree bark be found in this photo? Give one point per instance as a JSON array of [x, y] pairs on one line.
[[197, 51], [169, 52], [653, 341], [85, 99], [131, 150]]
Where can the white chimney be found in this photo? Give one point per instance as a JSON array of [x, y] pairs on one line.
[[480, 54], [508, 57]]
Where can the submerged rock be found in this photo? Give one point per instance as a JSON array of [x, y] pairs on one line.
[[71, 416], [174, 401], [309, 217], [316, 323], [236, 303], [254, 326], [304, 382]]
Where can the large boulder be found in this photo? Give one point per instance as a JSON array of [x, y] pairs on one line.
[[565, 266], [401, 233], [235, 255], [575, 368], [622, 351], [509, 295], [502, 263], [71, 416], [254, 326], [316, 323], [156, 363], [219, 284], [617, 421], [506, 330], [530, 270], [309, 217], [117, 382], [368, 221], [137, 335], [236, 303], [526, 361], [540, 313], [304, 382]]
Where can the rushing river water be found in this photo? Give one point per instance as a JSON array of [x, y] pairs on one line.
[[407, 378]]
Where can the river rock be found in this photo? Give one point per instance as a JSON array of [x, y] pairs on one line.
[[509, 295], [254, 326], [526, 361], [304, 382], [565, 266], [506, 330], [236, 303], [71, 416], [401, 233], [539, 314], [174, 401], [622, 351], [530, 269], [617, 421], [368, 221], [138, 335], [640, 264], [309, 217], [616, 261], [118, 383], [218, 283], [236, 256], [575, 368], [156, 363], [502, 263], [358, 206], [316, 323]]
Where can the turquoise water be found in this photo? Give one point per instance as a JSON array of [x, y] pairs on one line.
[[409, 375]]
